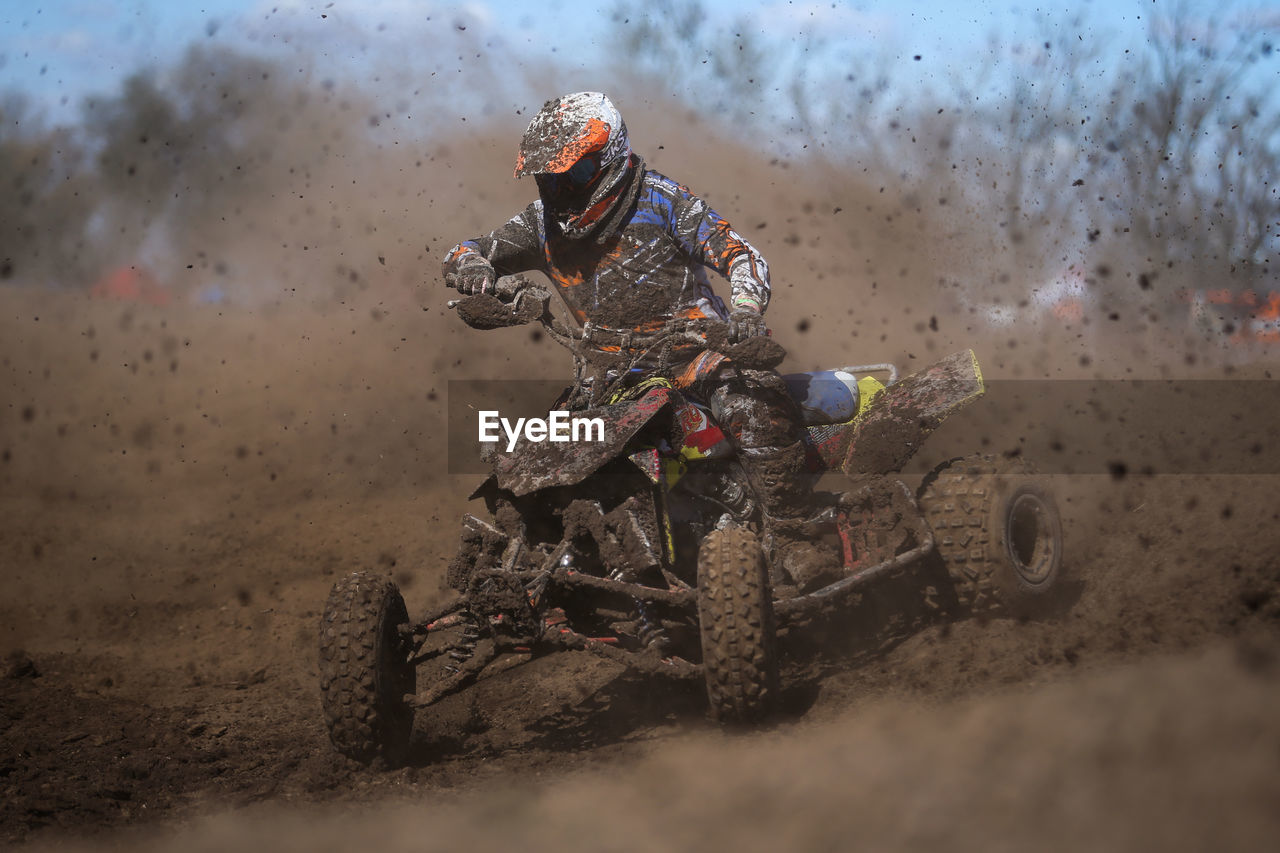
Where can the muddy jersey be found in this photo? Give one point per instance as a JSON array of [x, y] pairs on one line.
[[649, 271]]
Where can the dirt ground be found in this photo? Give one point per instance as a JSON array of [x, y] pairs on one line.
[[180, 486]]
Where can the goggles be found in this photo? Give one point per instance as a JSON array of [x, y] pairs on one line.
[[571, 189], [585, 170], [575, 178]]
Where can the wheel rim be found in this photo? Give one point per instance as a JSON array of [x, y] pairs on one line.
[[1031, 541]]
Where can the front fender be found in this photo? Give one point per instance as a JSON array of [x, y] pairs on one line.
[[531, 466]]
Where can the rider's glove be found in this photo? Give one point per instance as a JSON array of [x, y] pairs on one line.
[[473, 275], [746, 323]]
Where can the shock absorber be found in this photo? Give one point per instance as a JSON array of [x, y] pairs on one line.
[[650, 631], [465, 646], [648, 628]]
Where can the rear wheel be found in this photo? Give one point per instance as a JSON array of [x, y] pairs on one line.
[[735, 611], [365, 671], [997, 529]]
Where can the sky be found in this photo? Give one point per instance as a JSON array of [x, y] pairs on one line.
[[58, 52]]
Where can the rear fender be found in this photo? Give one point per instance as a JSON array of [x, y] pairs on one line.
[[897, 420], [893, 420]]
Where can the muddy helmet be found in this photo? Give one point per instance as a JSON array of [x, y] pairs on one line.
[[577, 150]]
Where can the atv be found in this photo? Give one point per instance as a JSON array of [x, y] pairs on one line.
[[648, 547]]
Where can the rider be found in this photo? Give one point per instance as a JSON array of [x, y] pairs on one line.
[[627, 249]]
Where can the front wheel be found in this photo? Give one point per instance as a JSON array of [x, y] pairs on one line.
[[365, 672], [735, 611], [998, 531]]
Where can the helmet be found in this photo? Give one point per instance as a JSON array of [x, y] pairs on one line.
[[577, 150]]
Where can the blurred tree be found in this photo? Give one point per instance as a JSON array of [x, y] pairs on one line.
[[189, 159], [44, 205], [1064, 150], [728, 71], [176, 151], [1189, 150]]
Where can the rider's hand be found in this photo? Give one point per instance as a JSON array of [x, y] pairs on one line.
[[471, 278], [745, 323]]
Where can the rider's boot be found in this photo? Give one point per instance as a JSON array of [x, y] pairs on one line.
[[780, 479]]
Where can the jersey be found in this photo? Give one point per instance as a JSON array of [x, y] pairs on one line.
[[648, 272]]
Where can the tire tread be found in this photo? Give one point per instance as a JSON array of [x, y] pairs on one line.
[[364, 721], [736, 614]]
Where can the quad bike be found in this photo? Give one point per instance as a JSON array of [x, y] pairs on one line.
[[647, 547]]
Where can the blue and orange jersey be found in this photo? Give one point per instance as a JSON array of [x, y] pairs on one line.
[[650, 270]]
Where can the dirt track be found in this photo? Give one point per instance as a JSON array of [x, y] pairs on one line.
[[172, 522], [180, 485]]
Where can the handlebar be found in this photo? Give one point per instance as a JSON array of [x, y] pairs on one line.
[[515, 301]]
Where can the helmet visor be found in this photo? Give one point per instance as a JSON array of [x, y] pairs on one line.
[[570, 190]]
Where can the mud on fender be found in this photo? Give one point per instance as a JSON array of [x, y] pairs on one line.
[[897, 421], [534, 466]]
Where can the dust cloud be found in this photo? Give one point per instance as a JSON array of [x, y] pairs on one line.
[[183, 478]]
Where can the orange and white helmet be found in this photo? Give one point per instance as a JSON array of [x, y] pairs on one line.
[[577, 150]]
